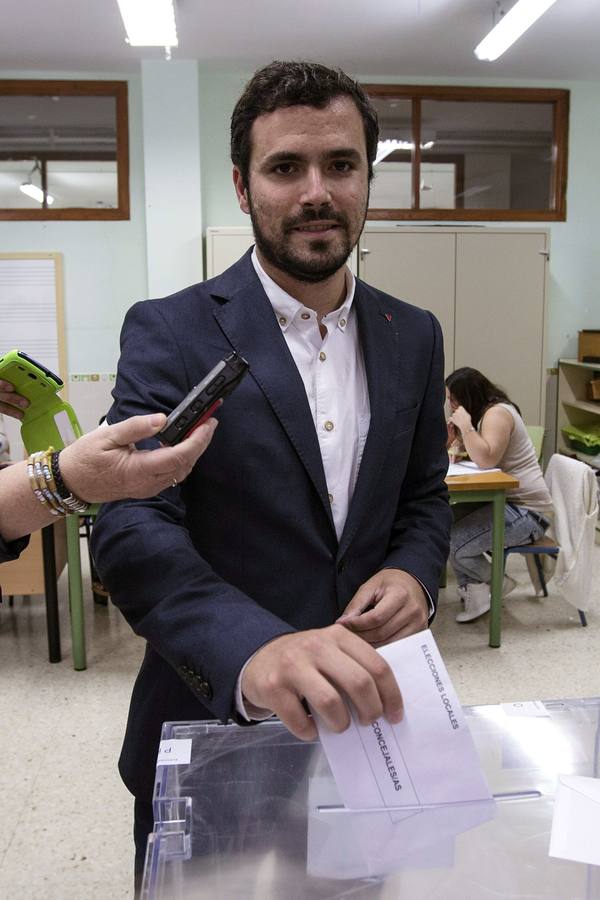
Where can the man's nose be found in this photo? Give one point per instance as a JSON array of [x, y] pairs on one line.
[[315, 190]]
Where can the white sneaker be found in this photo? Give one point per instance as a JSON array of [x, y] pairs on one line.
[[477, 602], [508, 585]]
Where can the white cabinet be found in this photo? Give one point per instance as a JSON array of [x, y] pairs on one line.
[[224, 246], [486, 286], [500, 305], [419, 267]]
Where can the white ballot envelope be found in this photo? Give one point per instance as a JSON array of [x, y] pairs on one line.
[[346, 843], [403, 792], [576, 819], [427, 759]]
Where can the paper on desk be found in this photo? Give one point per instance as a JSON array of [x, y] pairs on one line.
[[576, 819], [428, 759], [467, 468]]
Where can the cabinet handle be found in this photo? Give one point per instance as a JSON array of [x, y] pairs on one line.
[[364, 251], [545, 253]]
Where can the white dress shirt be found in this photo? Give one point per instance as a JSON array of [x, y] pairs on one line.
[[333, 371]]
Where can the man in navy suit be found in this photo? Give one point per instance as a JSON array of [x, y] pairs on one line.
[[315, 526]]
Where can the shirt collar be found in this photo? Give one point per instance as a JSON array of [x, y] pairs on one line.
[[287, 308]]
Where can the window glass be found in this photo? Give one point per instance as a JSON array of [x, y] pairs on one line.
[[473, 154], [63, 150], [499, 155]]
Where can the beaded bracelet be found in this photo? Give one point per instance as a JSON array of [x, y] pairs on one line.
[[47, 485]]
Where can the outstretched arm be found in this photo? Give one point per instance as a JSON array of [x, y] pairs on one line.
[[102, 465]]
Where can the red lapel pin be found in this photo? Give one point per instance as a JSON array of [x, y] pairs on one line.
[[388, 316]]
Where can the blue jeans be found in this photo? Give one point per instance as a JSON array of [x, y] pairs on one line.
[[472, 537]]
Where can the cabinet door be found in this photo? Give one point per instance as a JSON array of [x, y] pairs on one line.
[[224, 246], [417, 267], [500, 281]]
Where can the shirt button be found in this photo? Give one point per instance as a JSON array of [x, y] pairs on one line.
[[322, 356], [330, 497], [328, 426], [282, 320], [305, 315], [342, 323]]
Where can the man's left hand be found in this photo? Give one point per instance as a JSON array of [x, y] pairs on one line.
[[390, 605]]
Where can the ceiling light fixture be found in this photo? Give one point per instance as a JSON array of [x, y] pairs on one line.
[[384, 148], [32, 190], [149, 23], [510, 27]]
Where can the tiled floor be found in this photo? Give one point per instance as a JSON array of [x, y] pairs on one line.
[[65, 822]]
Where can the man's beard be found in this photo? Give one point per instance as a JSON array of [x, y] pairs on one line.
[[326, 258]]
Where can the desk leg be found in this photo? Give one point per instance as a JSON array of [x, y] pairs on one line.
[[75, 593], [497, 568], [52, 620]]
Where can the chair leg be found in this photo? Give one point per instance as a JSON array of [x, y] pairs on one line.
[[540, 571], [582, 617]]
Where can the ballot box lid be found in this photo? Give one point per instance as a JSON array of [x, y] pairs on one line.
[[252, 812]]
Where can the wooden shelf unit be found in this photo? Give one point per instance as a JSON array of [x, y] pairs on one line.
[[574, 408]]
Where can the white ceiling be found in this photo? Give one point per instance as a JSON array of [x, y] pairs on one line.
[[380, 37]]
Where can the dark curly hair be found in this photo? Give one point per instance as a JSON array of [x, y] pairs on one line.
[[282, 84]]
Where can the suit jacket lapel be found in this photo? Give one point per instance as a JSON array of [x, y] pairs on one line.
[[378, 337], [246, 317]]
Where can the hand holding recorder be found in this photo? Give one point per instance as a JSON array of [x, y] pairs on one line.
[[203, 399]]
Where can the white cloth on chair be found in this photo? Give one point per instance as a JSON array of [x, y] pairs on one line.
[[574, 493]]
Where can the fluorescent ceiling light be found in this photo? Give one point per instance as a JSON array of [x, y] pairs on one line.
[[149, 23], [384, 148], [36, 193], [510, 27]]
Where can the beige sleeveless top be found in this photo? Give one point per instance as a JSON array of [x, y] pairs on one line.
[[520, 460]]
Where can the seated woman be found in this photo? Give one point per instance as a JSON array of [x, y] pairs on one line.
[[488, 426]]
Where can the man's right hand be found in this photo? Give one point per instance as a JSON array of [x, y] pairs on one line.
[[322, 666], [10, 402]]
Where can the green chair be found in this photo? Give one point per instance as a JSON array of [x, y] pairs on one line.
[[42, 431], [536, 435]]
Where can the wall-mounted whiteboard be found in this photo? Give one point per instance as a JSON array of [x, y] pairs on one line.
[[32, 318]]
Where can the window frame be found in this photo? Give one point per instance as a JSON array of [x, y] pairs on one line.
[[558, 97], [79, 88]]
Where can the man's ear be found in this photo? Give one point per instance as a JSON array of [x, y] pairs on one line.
[[240, 190]]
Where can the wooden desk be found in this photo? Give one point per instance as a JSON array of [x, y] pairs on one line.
[[488, 487], [36, 572]]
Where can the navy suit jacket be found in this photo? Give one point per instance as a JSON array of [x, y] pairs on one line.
[[245, 549]]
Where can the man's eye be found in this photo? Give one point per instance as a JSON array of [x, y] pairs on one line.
[[284, 168], [342, 165]]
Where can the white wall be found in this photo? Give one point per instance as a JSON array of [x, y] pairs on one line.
[[172, 175]]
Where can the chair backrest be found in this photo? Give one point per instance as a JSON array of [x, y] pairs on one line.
[[573, 487], [536, 436]]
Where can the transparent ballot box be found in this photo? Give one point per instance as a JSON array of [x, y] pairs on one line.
[[255, 813]]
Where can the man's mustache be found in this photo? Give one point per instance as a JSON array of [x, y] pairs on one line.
[[323, 214]]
